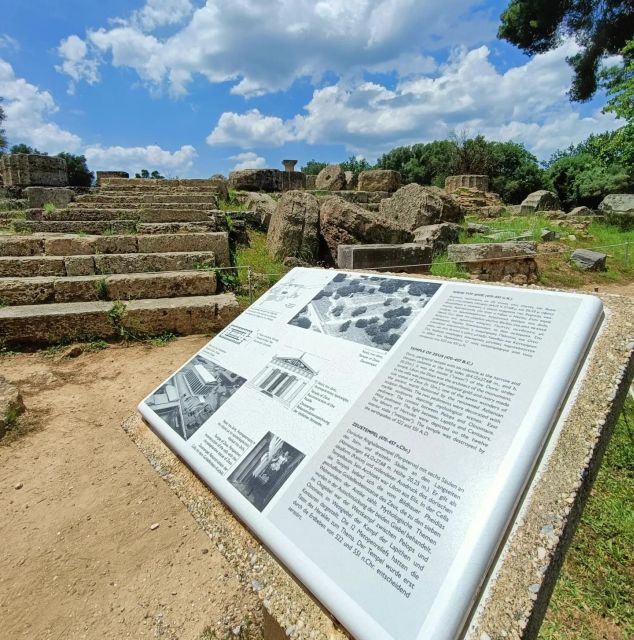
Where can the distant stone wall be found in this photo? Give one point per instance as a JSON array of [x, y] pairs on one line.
[[25, 170], [269, 180], [453, 183], [111, 174]]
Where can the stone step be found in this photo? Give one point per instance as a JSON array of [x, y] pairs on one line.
[[124, 201], [42, 324], [144, 206], [153, 185], [77, 245], [122, 286], [98, 227], [88, 265], [111, 227], [142, 215]]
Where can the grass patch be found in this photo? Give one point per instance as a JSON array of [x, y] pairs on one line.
[[247, 632], [11, 417], [101, 286], [49, 208], [510, 228], [594, 594], [442, 268], [232, 203], [162, 340], [96, 345], [266, 270]]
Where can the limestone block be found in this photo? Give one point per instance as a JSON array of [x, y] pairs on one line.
[[292, 180], [343, 222], [76, 289], [256, 180], [37, 290], [115, 244], [294, 227], [263, 205], [26, 267], [69, 245], [37, 197], [437, 236], [410, 258], [581, 211], [136, 286], [414, 206], [20, 246], [541, 200], [589, 260], [352, 181], [104, 175], [79, 265], [623, 202], [311, 181], [24, 170], [379, 180], [331, 178]]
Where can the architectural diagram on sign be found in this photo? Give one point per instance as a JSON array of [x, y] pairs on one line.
[[286, 293], [194, 394], [236, 334], [285, 378]]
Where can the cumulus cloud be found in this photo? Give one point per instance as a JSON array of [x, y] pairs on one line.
[[264, 47], [28, 110], [248, 160], [133, 159], [250, 129], [76, 63], [527, 103]]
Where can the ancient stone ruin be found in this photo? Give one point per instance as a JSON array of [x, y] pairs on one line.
[[25, 170], [455, 183]]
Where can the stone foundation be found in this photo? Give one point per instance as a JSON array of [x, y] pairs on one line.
[[25, 170], [497, 262], [409, 258], [267, 180]]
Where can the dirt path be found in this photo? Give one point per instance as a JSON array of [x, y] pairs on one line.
[[78, 556]]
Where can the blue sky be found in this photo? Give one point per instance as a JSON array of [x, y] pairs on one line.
[[193, 88]]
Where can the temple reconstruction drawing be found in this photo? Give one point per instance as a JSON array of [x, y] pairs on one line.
[[284, 378]]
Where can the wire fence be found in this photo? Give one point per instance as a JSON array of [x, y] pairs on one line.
[[623, 251]]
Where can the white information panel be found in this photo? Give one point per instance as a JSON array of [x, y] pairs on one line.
[[376, 432]]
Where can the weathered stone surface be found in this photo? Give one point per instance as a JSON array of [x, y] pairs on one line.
[[342, 222], [477, 182], [149, 262], [168, 284], [581, 211], [11, 404], [294, 227], [311, 181], [504, 261], [37, 290], [256, 180], [80, 226], [548, 235], [331, 178], [352, 181], [101, 175], [15, 267], [37, 197], [483, 203], [70, 245], [541, 200], [216, 243], [473, 228], [589, 260], [79, 265], [115, 244], [292, 180], [414, 206], [618, 209], [410, 257], [437, 236], [20, 246], [24, 170], [263, 205], [379, 180], [185, 316]]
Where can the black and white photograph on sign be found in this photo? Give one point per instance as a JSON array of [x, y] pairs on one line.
[[371, 310], [286, 377], [265, 469], [194, 394]]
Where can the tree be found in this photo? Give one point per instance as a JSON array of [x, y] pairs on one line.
[[356, 165], [312, 167], [24, 148], [78, 173], [155, 175], [3, 137], [600, 27]]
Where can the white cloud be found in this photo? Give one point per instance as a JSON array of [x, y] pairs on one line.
[[7, 42], [248, 160], [73, 50], [133, 159], [250, 129], [158, 13], [28, 110], [265, 47], [527, 104]]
